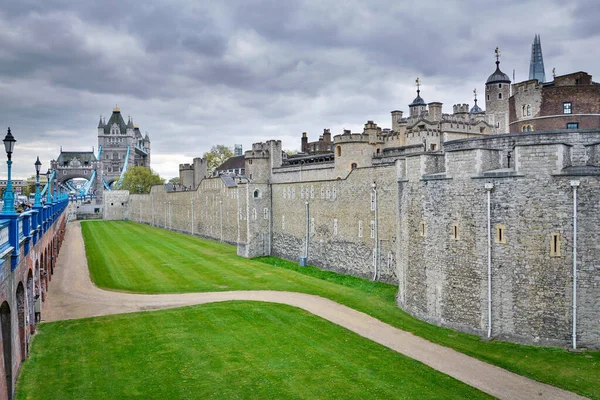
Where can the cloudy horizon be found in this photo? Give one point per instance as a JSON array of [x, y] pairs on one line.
[[193, 75]]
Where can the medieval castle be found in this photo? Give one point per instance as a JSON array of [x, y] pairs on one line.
[[486, 220]]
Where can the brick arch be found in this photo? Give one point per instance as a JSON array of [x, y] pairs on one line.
[[30, 298], [6, 330], [20, 296]]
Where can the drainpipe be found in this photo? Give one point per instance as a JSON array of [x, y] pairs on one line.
[[376, 263], [574, 184], [221, 218], [165, 221], [304, 260], [489, 187], [192, 216], [170, 216]]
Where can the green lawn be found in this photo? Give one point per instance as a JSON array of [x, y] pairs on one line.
[[139, 258], [238, 350]]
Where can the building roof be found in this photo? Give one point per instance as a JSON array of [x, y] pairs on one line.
[[116, 118], [498, 76], [476, 109], [228, 181], [236, 162], [70, 156], [418, 101]]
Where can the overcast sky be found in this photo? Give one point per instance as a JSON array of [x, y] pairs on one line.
[[194, 73]]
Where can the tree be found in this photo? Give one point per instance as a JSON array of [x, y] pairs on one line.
[[216, 156], [174, 180], [140, 179]]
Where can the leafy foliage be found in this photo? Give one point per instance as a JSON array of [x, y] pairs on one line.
[[140, 179], [217, 156]]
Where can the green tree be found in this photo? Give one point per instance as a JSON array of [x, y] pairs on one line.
[[216, 156], [174, 180], [139, 180]]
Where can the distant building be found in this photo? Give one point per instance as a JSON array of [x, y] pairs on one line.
[[536, 65]]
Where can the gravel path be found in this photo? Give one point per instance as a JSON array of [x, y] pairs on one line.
[[73, 295]]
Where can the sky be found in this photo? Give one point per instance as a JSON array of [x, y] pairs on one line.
[[194, 74]]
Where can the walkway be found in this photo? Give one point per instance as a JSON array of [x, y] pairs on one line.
[[73, 295]]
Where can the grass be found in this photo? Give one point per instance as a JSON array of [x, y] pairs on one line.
[[238, 350], [174, 262]]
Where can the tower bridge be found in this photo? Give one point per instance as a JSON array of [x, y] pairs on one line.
[[120, 145]]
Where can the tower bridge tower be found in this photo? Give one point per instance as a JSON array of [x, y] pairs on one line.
[[123, 146]]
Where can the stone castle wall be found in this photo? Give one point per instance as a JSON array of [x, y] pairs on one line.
[[443, 241], [427, 229]]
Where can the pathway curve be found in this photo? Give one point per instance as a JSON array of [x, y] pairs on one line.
[[73, 295]]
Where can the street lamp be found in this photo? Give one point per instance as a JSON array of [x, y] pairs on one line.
[[48, 198], [9, 197], [38, 166]]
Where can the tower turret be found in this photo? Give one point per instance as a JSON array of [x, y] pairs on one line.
[[418, 105], [497, 92]]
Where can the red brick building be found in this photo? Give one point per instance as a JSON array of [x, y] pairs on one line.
[[569, 102]]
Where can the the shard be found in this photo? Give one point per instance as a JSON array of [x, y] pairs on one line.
[[536, 66]]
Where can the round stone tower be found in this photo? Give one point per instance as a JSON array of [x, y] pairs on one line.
[[497, 92]]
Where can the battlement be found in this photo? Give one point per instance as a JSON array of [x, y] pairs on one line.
[[186, 167], [460, 108], [348, 137], [526, 86]]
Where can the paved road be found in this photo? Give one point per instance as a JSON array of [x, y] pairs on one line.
[[73, 295]]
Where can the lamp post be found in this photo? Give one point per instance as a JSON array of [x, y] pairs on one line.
[[48, 194], [9, 196], [55, 186], [38, 165]]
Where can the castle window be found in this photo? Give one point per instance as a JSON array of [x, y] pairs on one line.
[[250, 161], [283, 222], [567, 108], [293, 193], [322, 191], [338, 151], [422, 230], [266, 213], [254, 214], [333, 193], [555, 245], [432, 146], [528, 110], [335, 226], [500, 96], [573, 125], [527, 128], [256, 194], [499, 86], [372, 229], [455, 232], [500, 234], [373, 202], [360, 229], [353, 166], [312, 192], [302, 192], [390, 259], [488, 97]]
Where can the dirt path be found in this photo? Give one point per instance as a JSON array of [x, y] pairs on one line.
[[73, 295]]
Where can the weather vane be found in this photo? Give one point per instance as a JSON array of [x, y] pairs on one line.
[[475, 94], [418, 84], [497, 54], [554, 72]]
